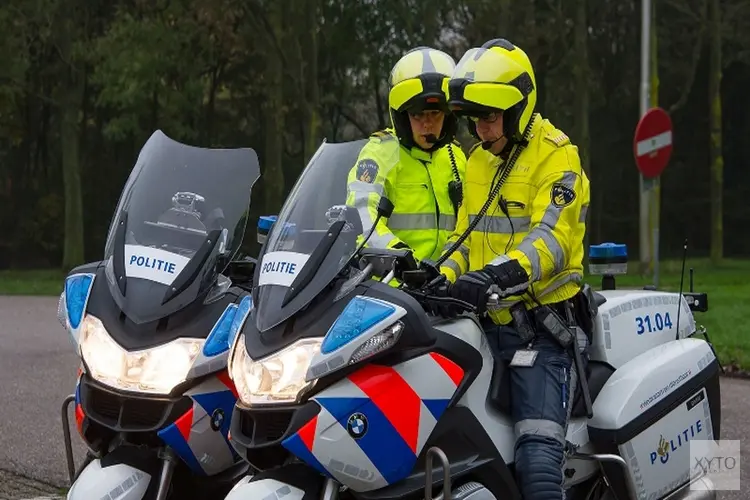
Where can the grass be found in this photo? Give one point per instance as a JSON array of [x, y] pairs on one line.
[[36, 282], [727, 285]]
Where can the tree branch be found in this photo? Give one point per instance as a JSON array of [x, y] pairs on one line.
[[27, 90], [683, 8], [351, 120]]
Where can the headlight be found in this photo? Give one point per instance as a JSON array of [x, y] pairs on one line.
[[277, 379], [155, 371]]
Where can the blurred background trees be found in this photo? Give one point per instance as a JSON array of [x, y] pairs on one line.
[[84, 83]]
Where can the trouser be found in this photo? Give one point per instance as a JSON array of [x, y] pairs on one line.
[[541, 398]]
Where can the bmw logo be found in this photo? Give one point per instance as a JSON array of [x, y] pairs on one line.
[[217, 418], [357, 425]]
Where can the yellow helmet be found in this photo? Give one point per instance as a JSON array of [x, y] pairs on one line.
[[497, 76], [419, 81]]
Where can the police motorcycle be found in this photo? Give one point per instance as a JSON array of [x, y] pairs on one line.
[[151, 324], [349, 388]]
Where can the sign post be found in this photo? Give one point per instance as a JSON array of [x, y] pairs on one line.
[[645, 99], [652, 147]]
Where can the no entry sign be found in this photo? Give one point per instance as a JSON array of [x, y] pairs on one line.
[[652, 143]]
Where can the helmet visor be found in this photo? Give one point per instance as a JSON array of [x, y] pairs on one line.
[[417, 94]]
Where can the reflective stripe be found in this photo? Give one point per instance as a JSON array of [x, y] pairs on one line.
[[541, 428], [584, 212], [361, 203], [500, 259], [413, 221], [463, 250], [544, 231], [453, 266], [421, 221], [572, 277], [380, 240], [506, 303], [500, 224], [365, 187], [447, 222], [527, 247]]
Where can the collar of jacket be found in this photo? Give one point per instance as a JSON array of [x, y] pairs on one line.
[[420, 154]]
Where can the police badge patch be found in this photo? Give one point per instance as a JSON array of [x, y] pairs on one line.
[[562, 196], [367, 170]]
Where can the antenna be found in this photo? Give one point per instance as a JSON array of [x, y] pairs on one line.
[[682, 279]]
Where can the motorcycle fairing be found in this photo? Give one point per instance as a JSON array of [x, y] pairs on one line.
[[373, 424], [179, 222], [199, 436], [193, 435]]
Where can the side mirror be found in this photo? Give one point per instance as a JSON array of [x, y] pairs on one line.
[[385, 207]]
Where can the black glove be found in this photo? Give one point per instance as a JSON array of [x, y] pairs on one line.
[[439, 307], [510, 277], [472, 287]]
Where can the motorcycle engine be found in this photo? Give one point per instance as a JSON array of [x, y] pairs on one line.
[[472, 491]]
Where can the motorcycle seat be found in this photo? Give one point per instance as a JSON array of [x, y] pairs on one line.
[[499, 395]]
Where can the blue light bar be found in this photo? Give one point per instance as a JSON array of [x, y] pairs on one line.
[[360, 314], [266, 221], [226, 328], [77, 290], [608, 251]]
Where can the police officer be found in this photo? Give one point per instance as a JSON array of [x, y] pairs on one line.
[[416, 164], [529, 242]]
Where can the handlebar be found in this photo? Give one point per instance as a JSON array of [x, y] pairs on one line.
[[442, 294]]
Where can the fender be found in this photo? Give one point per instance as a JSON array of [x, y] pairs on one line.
[[291, 482], [97, 481], [125, 473]]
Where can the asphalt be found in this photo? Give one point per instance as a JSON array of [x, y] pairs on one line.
[[38, 368]]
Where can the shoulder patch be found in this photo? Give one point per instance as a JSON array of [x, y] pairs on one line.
[[561, 195], [367, 170], [558, 138]]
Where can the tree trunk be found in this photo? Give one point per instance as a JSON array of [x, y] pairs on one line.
[[655, 202], [70, 102], [273, 115], [506, 19], [581, 72], [312, 103], [716, 157]]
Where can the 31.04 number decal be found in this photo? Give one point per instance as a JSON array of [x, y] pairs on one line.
[[655, 323]]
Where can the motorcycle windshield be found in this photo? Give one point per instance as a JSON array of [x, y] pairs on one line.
[[179, 222], [321, 224]]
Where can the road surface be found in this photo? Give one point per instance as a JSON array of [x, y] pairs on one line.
[[37, 371]]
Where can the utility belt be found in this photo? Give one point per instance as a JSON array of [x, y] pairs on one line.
[[559, 320]]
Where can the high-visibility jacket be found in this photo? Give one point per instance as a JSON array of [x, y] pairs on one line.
[[416, 182], [546, 197]]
